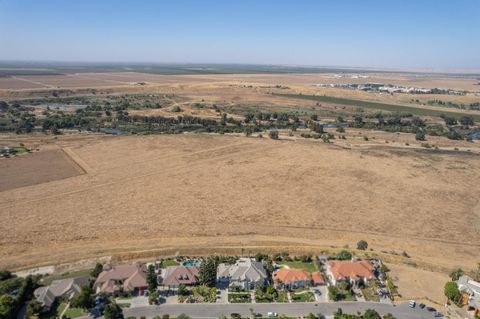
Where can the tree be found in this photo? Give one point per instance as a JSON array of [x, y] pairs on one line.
[[5, 274], [388, 316], [362, 245], [97, 270], [273, 134], [183, 316], [451, 291], [371, 314], [420, 136], [113, 311], [7, 306], [34, 308], [334, 293], [449, 120], [152, 279], [152, 298], [344, 255], [208, 272], [85, 299], [182, 290], [457, 273], [317, 128], [466, 120]]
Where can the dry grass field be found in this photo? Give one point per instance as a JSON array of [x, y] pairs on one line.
[[206, 192], [36, 168], [83, 196]]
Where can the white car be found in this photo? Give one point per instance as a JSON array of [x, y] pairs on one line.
[[412, 303], [272, 314]]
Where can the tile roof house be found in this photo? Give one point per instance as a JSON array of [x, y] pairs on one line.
[[354, 272], [292, 278], [246, 273], [470, 291], [122, 278], [317, 278], [181, 275], [66, 288]]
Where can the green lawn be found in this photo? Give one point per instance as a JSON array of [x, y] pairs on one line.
[[48, 280], [169, 262], [379, 106], [302, 297], [310, 267], [282, 296], [74, 312], [21, 149]]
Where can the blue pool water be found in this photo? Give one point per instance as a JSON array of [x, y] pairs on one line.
[[191, 263]]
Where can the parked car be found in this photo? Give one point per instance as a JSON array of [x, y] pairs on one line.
[[431, 309], [421, 306], [412, 303], [235, 315], [438, 314], [272, 314]]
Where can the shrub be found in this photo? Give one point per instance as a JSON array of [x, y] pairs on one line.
[[273, 134], [362, 245]]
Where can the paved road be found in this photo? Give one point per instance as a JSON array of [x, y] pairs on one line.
[[289, 309]]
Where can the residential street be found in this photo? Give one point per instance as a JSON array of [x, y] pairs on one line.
[[290, 309]]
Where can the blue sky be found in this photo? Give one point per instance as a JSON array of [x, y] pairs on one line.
[[372, 33]]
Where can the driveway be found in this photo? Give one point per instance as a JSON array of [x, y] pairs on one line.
[[294, 309], [134, 302], [321, 293]]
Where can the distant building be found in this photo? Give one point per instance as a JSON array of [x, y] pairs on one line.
[[65, 289], [181, 275], [354, 272], [246, 273], [123, 278], [470, 294]]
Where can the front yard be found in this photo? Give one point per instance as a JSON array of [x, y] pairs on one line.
[[239, 297], [369, 294], [302, 296], [59, 308]]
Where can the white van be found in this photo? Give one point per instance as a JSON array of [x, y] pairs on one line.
[[412, 303]]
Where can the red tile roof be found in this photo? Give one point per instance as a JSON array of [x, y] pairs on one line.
[[318, 278], [290, 276], [351, 269]]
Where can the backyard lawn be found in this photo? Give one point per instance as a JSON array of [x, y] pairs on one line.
[[167, 263], [310, 267], [48, 280]]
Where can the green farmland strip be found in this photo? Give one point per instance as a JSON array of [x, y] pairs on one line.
[[379, 106]]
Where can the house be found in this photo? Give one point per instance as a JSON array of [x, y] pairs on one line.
[[123, 278], [470, 293], [246, 273], [65, 289], [292, 278], [181, 275], [317, 279], [354, 272]]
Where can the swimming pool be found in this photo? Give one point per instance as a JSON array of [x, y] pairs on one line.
[[191, 263]]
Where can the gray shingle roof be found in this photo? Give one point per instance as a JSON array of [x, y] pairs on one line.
[[245, 269]]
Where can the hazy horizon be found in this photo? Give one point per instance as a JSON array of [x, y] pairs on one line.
[[431, 35]]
